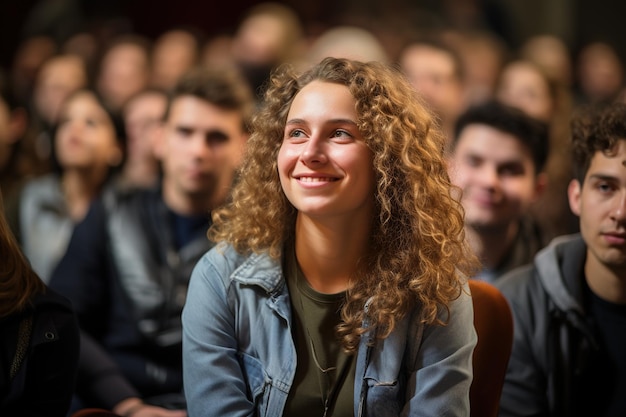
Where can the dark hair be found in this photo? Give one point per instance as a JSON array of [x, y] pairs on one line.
[[531, 132], [596, 129], [222, 87]]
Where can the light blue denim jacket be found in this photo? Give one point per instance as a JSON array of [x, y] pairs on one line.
[[239, 358]]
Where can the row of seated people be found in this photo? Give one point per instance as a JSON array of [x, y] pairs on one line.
[[128, 263]]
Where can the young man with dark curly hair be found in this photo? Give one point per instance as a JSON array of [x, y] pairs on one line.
[[569, 306]]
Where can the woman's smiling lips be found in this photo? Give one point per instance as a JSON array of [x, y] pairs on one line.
[[314, 179]]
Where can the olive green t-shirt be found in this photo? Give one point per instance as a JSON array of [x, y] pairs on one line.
[[324, 373]]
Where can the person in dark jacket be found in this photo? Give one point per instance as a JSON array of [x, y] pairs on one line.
[[569, 306], [128, 263], [39, 338]]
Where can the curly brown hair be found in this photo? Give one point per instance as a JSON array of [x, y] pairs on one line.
[[417, 248], [596, 128]]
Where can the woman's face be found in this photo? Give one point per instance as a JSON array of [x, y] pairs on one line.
[[325, 167], [86, 136], [524, 87]]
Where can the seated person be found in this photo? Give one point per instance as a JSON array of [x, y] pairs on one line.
[[497, 160], [128, 263], [38, 338], [569, 305]]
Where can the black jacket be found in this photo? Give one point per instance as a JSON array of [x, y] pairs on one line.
[[44, 382], [127, 279]]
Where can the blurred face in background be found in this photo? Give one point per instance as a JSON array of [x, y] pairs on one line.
[[59, 77], [124, 71], [143, 115], [86, 137], [199, 147], [433, 73], [497, 177], [522, 85]]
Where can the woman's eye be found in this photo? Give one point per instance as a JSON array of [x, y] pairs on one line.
[[342, 135], [295, 133]]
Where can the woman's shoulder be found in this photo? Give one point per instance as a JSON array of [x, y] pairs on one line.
[[52, 300], [231, 264]]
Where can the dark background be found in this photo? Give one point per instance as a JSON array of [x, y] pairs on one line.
[[576, 21]]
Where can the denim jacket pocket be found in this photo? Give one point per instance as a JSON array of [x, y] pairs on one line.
[[383, 397], [258, 382]]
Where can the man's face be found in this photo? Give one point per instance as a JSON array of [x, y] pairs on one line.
[[200, 147], [496, 174], [600, 202]]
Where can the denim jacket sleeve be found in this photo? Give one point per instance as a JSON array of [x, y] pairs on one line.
[[213, 379], [440, 382]]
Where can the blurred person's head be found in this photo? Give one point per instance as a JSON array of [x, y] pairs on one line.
[[497, 160], [348, 42], [268, 35], [600, 72], [88, 138], [124, 70], [550, 53], [436, 72], [203, 137], [483, 55], [217, 52], [143, 115], [31, 53], [174, 52], [13, 122], [58, 77], [524, 85]]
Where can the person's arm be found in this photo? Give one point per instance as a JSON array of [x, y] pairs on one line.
[[441, 383], [214, 383], [100, 376]]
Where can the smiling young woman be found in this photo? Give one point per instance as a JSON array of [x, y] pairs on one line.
[[335, 283]]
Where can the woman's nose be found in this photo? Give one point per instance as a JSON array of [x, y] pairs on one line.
[[313, 152]]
